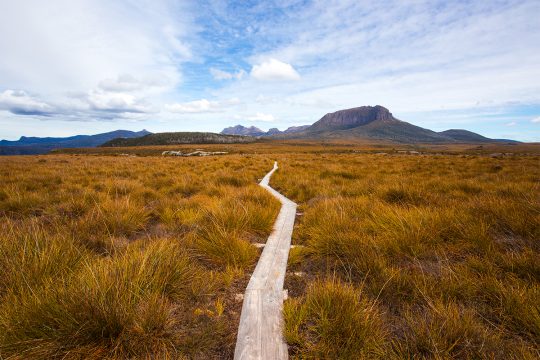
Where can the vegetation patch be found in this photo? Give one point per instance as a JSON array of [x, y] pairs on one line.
[[104, 257], [436, 255]]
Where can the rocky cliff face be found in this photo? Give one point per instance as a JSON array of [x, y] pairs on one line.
[[351, 118]]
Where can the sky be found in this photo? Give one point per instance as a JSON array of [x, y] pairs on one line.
[[89, 66]]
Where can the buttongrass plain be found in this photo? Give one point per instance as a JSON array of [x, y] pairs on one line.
[[127, 257], [413, 256], [113, 253]]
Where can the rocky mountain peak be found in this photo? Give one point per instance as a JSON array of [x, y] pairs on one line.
[[242, 130], [351, 118]]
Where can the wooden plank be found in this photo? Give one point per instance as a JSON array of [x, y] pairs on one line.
[[260, 333]]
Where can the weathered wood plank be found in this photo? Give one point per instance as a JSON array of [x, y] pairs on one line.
[[260, 333]]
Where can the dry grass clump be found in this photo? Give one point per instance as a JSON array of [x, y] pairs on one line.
[[432, 256], [448, 331], [225, 248], [104, 257], [334, 321], [444, 247], [31, 256], [123, 306]]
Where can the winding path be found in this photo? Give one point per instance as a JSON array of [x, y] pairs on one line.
[[260, 334]]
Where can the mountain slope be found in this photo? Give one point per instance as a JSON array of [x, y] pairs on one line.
[[173, 138], [466, 136], [296, 129], [397, 131], [36, 145]]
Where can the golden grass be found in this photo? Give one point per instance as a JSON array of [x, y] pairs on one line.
[[431, 256], [104, 257], [336, 321], [301, 147], [445, 249]]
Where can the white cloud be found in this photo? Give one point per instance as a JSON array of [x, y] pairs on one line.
[[224, 75], [536, 120], [21, 103], [261, 117], [129, 83], [274, 70], [420, 63], [115, 102], [201, 106], [511, 123], [85, 41], [425, 61], [94, 44], [262, 99], [197, 106]]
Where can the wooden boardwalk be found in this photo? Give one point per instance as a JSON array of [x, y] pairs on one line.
[[260, 333]]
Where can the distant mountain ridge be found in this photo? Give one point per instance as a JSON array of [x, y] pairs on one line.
[[374, 123], [243, 130], [38, 145], [175, 138], [366, 122], [469, 136], [296, 129], [255, 131]]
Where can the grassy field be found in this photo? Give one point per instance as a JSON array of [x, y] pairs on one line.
[[402, 256], [413, 256], [298, 147], [106, 257]]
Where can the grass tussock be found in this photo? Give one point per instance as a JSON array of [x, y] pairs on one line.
[[126, 258], [30, 256], [333, 320], [403, 257], [444, 248], [124, 306]]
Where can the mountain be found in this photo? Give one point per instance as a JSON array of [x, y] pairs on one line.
[[367, 123], [351, 118], [373, 123], [378, 123], [243, 130], [37, 145], [255, 131], [295, 129], [273, 131], [173, 138]]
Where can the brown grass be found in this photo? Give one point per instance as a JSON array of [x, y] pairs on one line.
[[104, 257], [444, 248], [430, 256]]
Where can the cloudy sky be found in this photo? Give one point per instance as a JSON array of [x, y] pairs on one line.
[[88, 66]]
